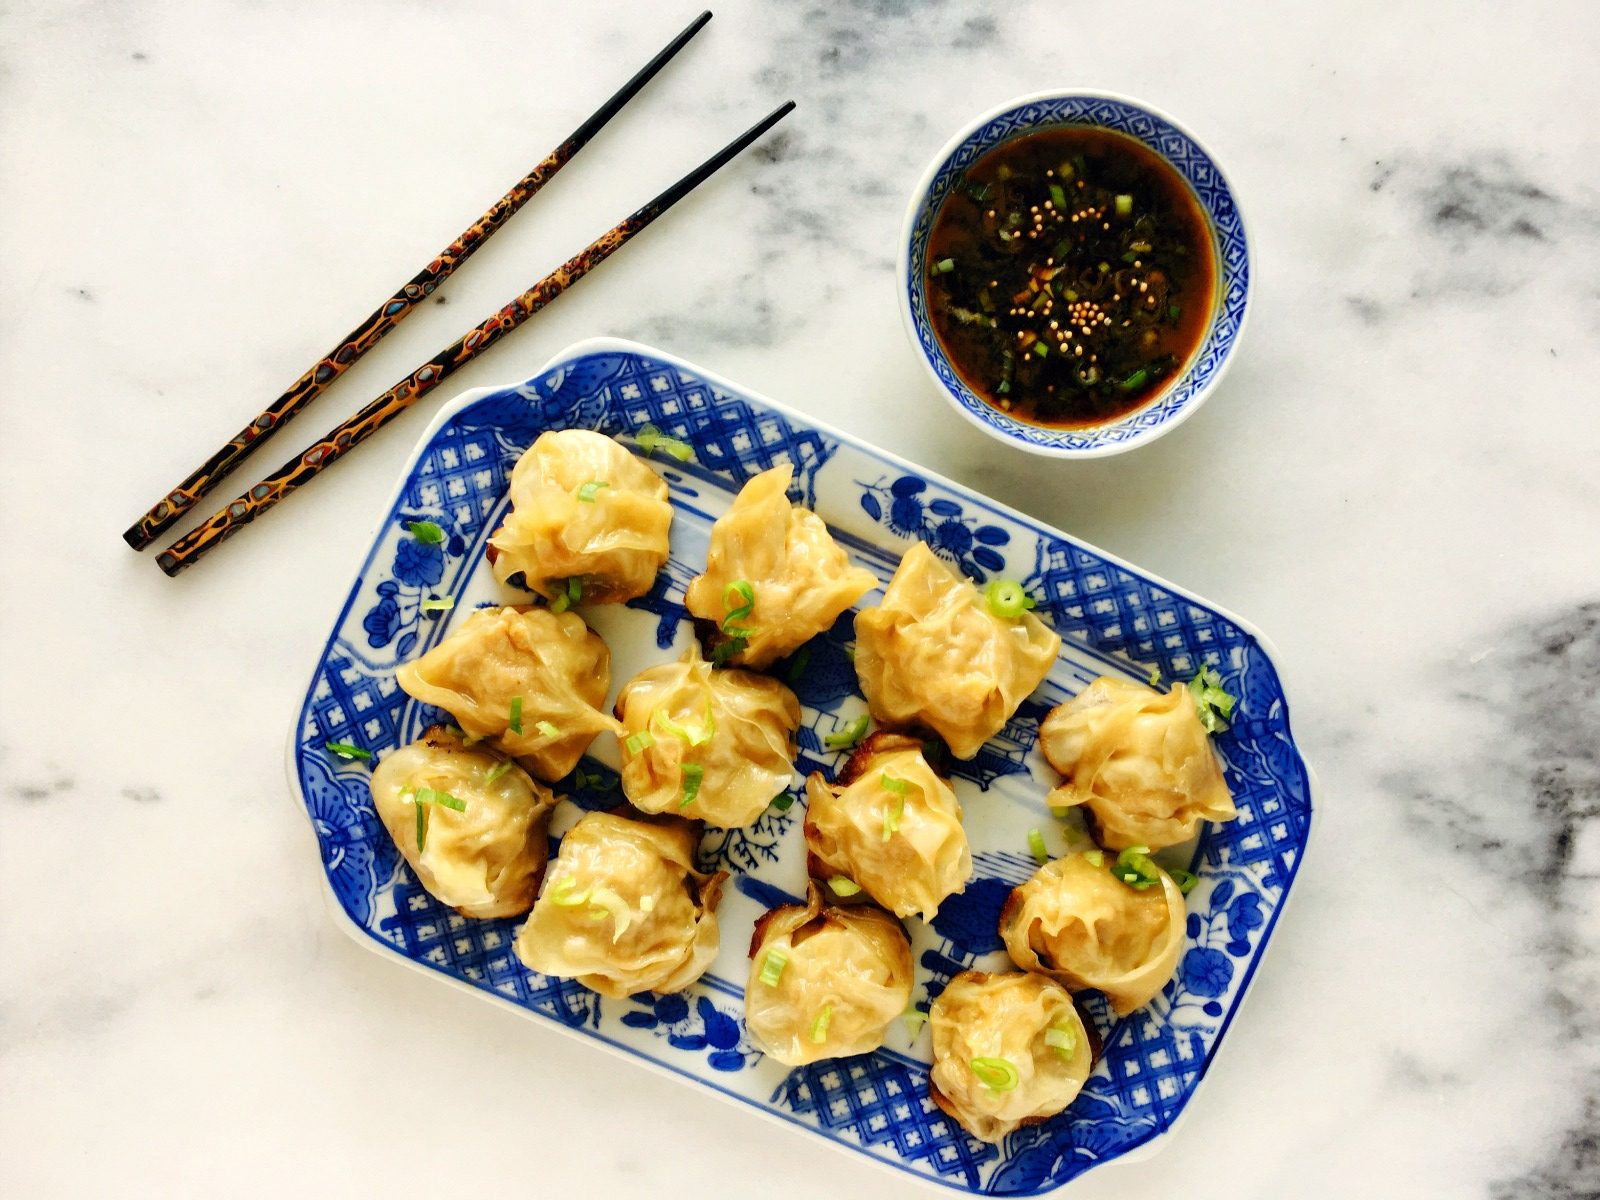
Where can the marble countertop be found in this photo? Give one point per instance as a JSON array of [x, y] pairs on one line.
[[1396, 481]]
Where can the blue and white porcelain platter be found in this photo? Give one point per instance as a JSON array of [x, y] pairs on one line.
[[1113, 618]]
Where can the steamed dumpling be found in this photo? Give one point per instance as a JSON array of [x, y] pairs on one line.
[[505, 668], [470, 823], [1077, 922], [724, 738], [934, 654], [825, 982], [583, 507], [1008, 1050], [800, 580], [890, 825], [623, 909], [1139, 760]]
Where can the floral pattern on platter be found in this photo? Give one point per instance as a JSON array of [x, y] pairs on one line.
[[1112, 618]]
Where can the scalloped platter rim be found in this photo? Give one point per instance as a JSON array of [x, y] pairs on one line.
[[1113, 617]]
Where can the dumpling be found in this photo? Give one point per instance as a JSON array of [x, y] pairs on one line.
[[889, 824], [470, 823], [623, 909], [935, 654], [799, 579], [530, 679], [699, 742], [825, 982], [1008, 1050], [1140, 760], [583, 507], [1077, 922]]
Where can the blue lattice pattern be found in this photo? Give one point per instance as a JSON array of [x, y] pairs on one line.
[[1216, 199], [1118, 617]]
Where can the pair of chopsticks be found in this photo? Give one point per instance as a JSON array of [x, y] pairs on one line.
[[349, 434]]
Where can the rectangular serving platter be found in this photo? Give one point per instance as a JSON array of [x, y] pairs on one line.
[[1113, 619]]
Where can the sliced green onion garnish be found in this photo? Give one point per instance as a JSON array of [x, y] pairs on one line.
[[425, 532], [944, 266], [842, 885], [891, 817], [726, 650], [1174, 312], [1134, 868], [496, 771], [915, 1019], [1036, 844], [1058, 197], [605, 902], [563, 895], [547, 728], [1211, 702], [1124, 204], [422, 823], [996, 1074], [639, 742], [783, 802], [652, 439], [849, 735], [346, 750], [1095, 858], [1185, 880], [819, 1027], [516, 714], [898, 786], [797, 668], [692, 737], [1135, 381], [1040, 348], [1062, 1039], [442, 604], [1155, 677], [446, 800], [589, 490], [738, 633], [772, 966], [1007, 599], [693, 774]]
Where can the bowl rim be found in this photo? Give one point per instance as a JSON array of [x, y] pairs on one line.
[[904, 283]]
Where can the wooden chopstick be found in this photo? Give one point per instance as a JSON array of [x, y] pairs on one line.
[[175, 504], [339, 441]]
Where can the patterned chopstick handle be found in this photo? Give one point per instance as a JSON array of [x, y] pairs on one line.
[[336, 362]]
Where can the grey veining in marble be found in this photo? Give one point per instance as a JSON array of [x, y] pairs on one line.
[[1397, 481]]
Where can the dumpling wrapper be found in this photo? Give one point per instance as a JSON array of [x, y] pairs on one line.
[[485, 860], [745, 726], [800, 577], [933, 654], [555, 662], [623, 908], [1139, 760], [852, 963], [1006, 1017], [924, 859], [614, 542], [1077, 922]]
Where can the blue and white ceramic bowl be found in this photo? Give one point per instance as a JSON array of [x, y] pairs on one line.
[[1192, 161]]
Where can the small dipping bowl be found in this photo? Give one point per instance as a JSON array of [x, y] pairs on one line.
[[1173, 404]]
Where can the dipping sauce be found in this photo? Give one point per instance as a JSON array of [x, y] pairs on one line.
[[1070, 276]]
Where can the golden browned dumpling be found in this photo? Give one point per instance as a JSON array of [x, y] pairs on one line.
[[583, 507], [530, 679], [1008, 1050], [825, 982], [798, 579], [705, 743], [623, 909], [470, 822], [889, 824], [1140, 760], [1079, 923], [935, 654]]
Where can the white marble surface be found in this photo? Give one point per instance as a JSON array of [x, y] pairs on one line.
[[1397, 481]]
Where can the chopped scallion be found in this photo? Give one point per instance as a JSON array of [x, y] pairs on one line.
[[1036, 844], [1062, 1039], [693, 775], [798, 666], [422, 824], [1135, 868], [739, 597], [848, 735], [640, 742], [1124, 204], [1135, 380], [426, 532], [1213, 704], [346, 750], [591, 489], [652, 439], [563, 895], [441, 604], [1155, 677], [1058, 197], [890, 784], [547, 728], [996, 1074], [496, 771], [915, 1019], [1095, 858], [772, 966], [516, 714], [843, 885], [1041, 349], [783, 802], [1007, 599], [1185, 880], [819, 1027], [944, 266], [892, 815]]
